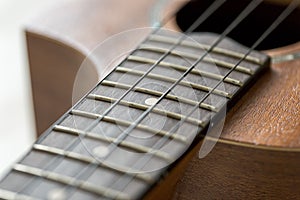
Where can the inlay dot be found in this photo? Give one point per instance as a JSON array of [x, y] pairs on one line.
[[57, 194], [101, 151], [151, 101]]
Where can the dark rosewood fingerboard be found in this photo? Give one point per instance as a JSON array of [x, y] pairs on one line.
[[79, 141]]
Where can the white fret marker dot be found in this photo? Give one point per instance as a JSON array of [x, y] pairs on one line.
[[101, 151], [151, 101], [57, 194]]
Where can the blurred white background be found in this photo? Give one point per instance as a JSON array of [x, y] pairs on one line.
[[17, 131]]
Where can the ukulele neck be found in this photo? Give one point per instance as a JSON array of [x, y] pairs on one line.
[[125, 134]]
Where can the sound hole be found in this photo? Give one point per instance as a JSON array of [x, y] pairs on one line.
[[250, 29]]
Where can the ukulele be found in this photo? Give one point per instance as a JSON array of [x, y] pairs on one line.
[[151, 127]]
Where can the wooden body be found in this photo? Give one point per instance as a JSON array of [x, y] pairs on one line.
[[258, 153]]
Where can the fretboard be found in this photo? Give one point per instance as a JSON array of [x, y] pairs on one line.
[[86, 155]]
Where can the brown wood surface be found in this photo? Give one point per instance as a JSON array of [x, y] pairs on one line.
[[269, 113], [257, 156]]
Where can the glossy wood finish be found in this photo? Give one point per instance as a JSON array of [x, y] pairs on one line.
[[270, 111], [257, 156], [237, 172]]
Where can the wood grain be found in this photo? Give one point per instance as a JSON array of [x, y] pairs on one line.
[[270, 111], [235, 172]]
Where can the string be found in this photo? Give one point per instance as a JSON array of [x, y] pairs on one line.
[[242, 15], [200, 20], [292, 6]]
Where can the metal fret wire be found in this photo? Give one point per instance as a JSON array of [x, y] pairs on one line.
[[173, 80], [218, 50], [87, 159], [174, 136], [292, 6], [187, 55], [242, 15], [158, 93], [172, 115], [214, 6]]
